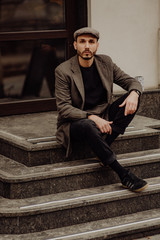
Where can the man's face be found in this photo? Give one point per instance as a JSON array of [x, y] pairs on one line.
[[86, 46]]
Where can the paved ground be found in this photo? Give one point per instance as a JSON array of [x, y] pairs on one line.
[[29, 125], [44, 124]]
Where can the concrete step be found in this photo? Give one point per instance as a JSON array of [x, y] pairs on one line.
[[30, 139], [75, 207], [128, 227], [20, 181]]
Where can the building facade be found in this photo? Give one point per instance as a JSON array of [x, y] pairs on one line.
[[35, 36]]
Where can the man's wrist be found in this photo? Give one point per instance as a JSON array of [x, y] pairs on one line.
[[137, 91]]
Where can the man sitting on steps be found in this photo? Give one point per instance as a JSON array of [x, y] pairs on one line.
[[83, 90]]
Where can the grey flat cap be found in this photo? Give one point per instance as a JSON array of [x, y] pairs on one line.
[[86, 30]]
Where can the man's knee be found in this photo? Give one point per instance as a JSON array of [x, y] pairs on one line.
[[83, 127], [89, 126]]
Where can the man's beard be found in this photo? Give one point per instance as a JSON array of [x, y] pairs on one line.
[[91, 55]]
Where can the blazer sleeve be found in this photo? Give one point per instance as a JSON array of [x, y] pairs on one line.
[[124, 80], [64, 99]]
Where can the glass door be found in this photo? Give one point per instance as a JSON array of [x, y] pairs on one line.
[[35, 36]]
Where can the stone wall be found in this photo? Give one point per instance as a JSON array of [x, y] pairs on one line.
[[150, 104]]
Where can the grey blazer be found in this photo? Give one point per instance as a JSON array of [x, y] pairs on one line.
[[70, 96]]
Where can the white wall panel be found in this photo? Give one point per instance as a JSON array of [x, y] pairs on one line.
[[129, 34]]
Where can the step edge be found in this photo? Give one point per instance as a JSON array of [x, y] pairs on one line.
[[75, 202], [150, 223], [75, 169], [114, 231], [23, 144]]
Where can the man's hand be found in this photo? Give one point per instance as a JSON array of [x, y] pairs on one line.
[[130, 103], [102, 124]]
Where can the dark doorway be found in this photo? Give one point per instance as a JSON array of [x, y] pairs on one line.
[[35, 36]]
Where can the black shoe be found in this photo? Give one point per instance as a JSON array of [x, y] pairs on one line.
[[134, 183]]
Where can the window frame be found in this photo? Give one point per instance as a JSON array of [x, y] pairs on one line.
[[76, 17]]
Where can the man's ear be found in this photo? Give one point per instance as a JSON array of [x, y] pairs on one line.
[[75, 45]]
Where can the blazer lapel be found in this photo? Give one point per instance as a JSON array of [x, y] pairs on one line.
[[77, 77]]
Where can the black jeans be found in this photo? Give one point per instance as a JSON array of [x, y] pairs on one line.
[[86, 130]]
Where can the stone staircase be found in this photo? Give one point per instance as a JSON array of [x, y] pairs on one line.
[[46, 197]]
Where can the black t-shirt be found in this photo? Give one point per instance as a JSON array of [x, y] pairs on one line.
[[94, 91]]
